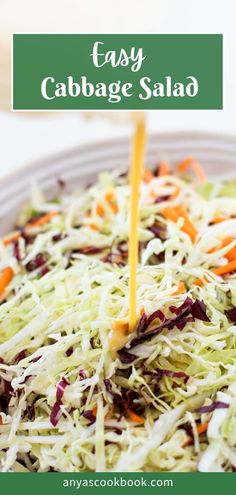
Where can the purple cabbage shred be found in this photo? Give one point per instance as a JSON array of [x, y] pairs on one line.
[[55, 413], [231, 315], [89, 416], [214, 405], [126, 357], [61, 389]]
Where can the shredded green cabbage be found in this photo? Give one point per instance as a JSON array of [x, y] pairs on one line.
[[56, 318]]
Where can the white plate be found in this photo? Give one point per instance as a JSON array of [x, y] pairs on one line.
[[80, 166]]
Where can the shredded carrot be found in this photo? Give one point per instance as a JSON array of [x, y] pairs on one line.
[[95, 410], [164, 168], [173, 214], [147, 175], [201, 428], [5, 278], [220, 270], [93, 226], [227, 240], [180, 290], [34, 223], [170, 214], [218, 220], [185, 164], [175, 194], [228, 268], [114, 207], [110, 197], [231, 255], [135, 417], [44, 219], [142, 311], [11, 238], [188, 227], [100, 210], [198, 282], [196, 167]]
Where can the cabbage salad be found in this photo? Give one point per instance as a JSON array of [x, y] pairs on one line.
[[165, 399]]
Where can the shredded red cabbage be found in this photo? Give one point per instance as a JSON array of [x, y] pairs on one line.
[[179, 309], [157, 374], [16, 250], [82, 374], [125, 356], [55, 413], [107, 384], [128, 399], [89, 416], [20, 356], [39, 260], [156, 314], [185, 313], [180, 319], [142, 324], [61, 388], [231, 315], [215, 405], [198, 310]]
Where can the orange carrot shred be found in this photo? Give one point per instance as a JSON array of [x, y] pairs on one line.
[[94, 411], [109, 196], [198, 282], [196, 167], [11, 238], [218, 220], [111, 199], [44, 219], [174, 213], [188, 227], [114, 207], [5, 278], [170, 214], [100, 210], [93, 226], [147, 175], [220, 270], [164, 168], [135, 417], [175, 194], [231, 255], [228, 268], [201, 428], [181, 289], [184, 165]]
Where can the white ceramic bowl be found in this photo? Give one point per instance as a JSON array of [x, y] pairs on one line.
[[80, 166]]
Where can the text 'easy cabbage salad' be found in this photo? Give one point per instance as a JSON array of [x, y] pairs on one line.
[[166, 401]]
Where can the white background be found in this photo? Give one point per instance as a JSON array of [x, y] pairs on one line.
[[25, 137]]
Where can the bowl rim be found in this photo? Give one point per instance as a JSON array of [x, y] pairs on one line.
[[99, 144]]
